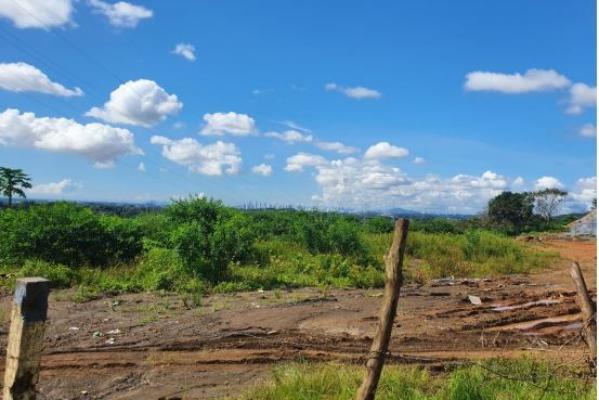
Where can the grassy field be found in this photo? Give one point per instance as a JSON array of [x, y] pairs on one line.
[[492, 380]]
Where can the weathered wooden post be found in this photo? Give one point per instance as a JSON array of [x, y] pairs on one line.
[[393, 281], [589, 323], [25, 338]]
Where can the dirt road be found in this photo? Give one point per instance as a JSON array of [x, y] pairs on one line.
[[152, 347]]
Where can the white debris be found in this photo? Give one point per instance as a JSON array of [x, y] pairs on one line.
[[114, 332], [74, 328], [110, 341], [475, 300]]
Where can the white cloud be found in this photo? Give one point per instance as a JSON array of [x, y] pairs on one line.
[[358, 92], [213, 159], [262, 169], [294, 126], [518, 182], [581, 96], [121, 14], [588, 130], [584, 193], [53, 188], [44, 14], [100, 143], [141, 102], [385, 150], [185, 50], [548, 182], [337, 147], [353, 182], [419, 160], [298, 162], [533, 80], [290, 136], [141, 167], [22, 77], [219, 124]]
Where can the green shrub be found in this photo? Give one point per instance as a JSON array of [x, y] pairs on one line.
[[209, 237], [66, 234], [379, 225]]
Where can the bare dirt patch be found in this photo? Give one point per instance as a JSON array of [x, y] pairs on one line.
[[152, 347]]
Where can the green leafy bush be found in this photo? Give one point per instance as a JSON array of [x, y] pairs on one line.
[[66, 234]]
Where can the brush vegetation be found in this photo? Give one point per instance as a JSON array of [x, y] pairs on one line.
[[197, 245]]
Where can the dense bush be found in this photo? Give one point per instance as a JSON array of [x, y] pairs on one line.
[[67, 234], [379, 225], [209, 236]]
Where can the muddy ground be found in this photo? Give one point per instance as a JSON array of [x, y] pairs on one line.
[[154, 347]]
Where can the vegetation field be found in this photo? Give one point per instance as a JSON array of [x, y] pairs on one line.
[[199, 245]]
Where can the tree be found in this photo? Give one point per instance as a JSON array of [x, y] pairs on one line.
[[515, 209], [549, 201], [12, 182]]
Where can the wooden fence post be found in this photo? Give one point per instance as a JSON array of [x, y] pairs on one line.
[[393, 281], [25, 338], [589, 322]]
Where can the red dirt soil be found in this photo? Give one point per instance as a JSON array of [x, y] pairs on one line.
[[143, 346]]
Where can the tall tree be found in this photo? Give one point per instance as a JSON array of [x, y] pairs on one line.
[[549, 201], [513, 209], [12, 182]]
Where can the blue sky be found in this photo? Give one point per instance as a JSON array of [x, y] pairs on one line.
[[432, 106]]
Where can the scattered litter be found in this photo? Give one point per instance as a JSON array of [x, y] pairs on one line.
[[74, 328], [272, 332], [114, 332], [475, 300], [106, 320], [97, 334], [375, 294], [260, 290], [84, 392], [110, 341]]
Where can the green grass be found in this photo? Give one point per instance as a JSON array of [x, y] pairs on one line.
[[476, 253], [493, 380]]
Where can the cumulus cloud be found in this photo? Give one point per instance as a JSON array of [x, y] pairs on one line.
[[298, 162], [21, 77], [44, 14], [385, 150], [584, 193], [53, 188], [185, 50], [370, 183], [213, 159], [533, 80], [581, 96], [358, 92], [419, 160], [588, 131], [219, 124], [141, 102], [102, 144], [290, 136], [337, 147], [518, 182], [121, 14], [262, 169], [548, 182]]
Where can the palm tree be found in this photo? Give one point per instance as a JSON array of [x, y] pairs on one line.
[[12, 182]]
